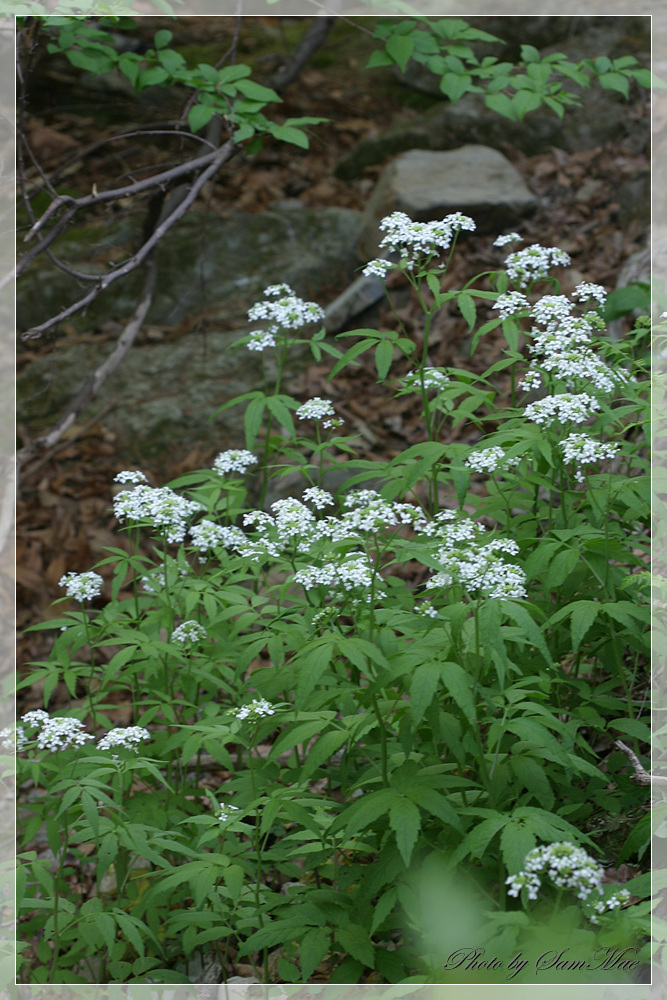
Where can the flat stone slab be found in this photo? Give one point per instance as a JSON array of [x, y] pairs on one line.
[[426, 185]]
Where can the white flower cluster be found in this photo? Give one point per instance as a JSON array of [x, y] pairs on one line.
[[82, 586], [283, 310], [511, 303], [56, 733], [226, 811], [236, 460], [477, 566], [188, 632], [502, 241], [12, 738], [489, 460], [586, 290], [377, 268], [563, 864], [565, 408], [417, 240], [347, 574], [161, 506], [128, 738], [582, 449], [258, 708], [533, 263], [317, 409], [433, 380], [318, 497], [208, 535], [155, 581], [131, 476], [613, 902]]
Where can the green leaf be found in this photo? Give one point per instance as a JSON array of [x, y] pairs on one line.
[[436, 804], [350, 355], [405, 821], [501, 104], [199, 116], [560, 567], [325, 747], [130, 926], [479, 838], [384, 355], [312, 948], [151, 77], [531, 774], [459, 685], [252, 420], [525, 101], [583, 615], [400, 48], [516, 840], [356, 941], [162, 38], [234, 878], [91, 812], [520, 614], [466, 304], [633, 727], [423, 686], [364, 812], [529, 54], [615, 81], [383, 908], [455, 85], [256, 92], [286, 133]]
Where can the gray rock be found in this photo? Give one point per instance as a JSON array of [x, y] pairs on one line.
[[476, 180]]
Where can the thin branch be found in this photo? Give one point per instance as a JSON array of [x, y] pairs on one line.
[[312, 40], [92, 385], [223, 154], [641, 775]]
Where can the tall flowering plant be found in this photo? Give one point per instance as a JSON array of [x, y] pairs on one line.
[[416, 671]]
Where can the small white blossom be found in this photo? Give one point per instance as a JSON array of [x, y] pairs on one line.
[[434, 380], [316, 409], [161, 507], [530, 381], [551, 309], [613, 902], [489, 460], [566, 408], [511, 303], [581, 449], [131, 476], [284, 310], [533, 263], [56, 733], [128, 738], [502, 241], [319, 498], [566, 866], [587, 290], [13, 738], [421, 240], [477, 566], [235, 460], [259, 340], [258, 708], [82, 586], [208, 535], [188, 632], [377, 268], [226, 811]]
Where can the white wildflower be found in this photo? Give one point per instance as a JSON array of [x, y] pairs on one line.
[[208, 535], [582, 449], [259, 340], [128, 739], [161, 507], [489, 460], [511, 303], [316, 409], [502, 241], [415, 240], [284, 310], [258, 708], [586, 290], [319, 498], [566, 866], [235, 460], [131, 476], [56, 733], [377, 268], [565, 407], [188, 632], [82, 586], [226, 811], [533, 263], [433, 380]]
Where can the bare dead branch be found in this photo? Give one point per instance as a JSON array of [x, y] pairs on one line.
[[641, 775], [92, 385], [222, 154], [312, 40]]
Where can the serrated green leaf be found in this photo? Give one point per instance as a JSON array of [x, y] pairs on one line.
[[531, 774], [327, 745], [383, 908], [516, 840], [423, 686], [234, 877], [313, 947], [356, 941], [459, 685], [384, 355], [633, 727], [466, 304], [405, 821], [479, 838], [583, 615], [436, 804]]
